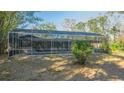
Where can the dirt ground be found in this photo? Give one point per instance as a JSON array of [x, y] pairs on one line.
[[100, 67]]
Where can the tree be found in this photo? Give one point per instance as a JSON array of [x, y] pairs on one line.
[[102, 21], [115, 24], [93, 25], [80, 26], [69, 24], [121, 39], [45, 26], [114, 31], [12, 20], [6, 24]]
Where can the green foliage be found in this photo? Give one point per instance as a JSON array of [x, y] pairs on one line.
[[45, 26], [27, 18], [106, 47], [81, 50], [11, 20], [80, 26], [102, 21], [69, 24], [97, 24], [116, 46], [113, 30], [93, 25], [7, 23]]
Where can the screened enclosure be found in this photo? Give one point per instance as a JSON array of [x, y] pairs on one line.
[[39, 42]]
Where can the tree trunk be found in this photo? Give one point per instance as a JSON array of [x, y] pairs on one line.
[[3, 47]]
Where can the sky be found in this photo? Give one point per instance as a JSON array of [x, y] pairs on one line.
[[57, 17]]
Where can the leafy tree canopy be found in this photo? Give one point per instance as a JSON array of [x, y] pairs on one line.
[[11, 20], [69, 24], [45, 26]]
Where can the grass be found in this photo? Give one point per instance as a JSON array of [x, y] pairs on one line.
[[98, 67]]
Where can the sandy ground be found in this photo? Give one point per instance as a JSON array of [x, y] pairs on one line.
[[61, 68]]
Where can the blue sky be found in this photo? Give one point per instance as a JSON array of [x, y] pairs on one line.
[[57, 17]]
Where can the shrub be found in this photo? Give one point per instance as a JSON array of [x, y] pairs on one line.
[[81, 50], [116, 46]]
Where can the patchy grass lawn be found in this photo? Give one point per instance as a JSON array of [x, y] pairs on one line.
[[98, 67]]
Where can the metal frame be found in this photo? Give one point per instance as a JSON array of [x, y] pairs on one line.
[[14, 50]]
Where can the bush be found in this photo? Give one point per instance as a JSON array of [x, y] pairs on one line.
[[116, 46], [81, 50]]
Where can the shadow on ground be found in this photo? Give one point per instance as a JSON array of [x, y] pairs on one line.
[[60, 68]]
